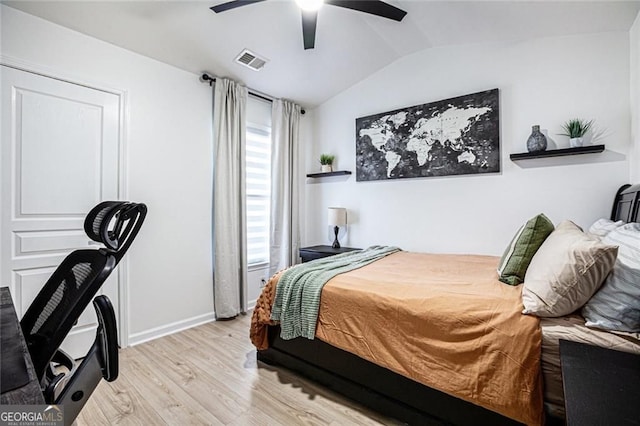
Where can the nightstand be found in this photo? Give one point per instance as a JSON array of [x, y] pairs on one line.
[[601, 386], [318, 252]]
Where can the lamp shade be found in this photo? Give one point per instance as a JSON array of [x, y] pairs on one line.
[[337, 216]]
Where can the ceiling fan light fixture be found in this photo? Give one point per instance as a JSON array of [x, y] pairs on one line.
[[310, 8], [310, 5]]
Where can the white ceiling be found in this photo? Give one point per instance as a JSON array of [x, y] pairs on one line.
[[349, 45]]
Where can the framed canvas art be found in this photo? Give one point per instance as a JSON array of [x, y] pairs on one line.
[[454, 136]]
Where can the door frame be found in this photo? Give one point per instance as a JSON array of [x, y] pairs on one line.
[[123, 187]]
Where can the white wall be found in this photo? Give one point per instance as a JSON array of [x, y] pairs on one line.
[[168, 138], [544, 81], [634, 36], [256, 279]]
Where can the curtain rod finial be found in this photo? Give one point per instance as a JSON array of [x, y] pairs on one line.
[[207, 77]]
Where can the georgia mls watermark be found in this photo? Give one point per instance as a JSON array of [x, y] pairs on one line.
[[31, 415]]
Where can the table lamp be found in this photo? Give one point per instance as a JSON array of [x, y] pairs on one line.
[[337, 218]]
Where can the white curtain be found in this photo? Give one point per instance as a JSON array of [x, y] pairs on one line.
[[229, 249], [285, 185]]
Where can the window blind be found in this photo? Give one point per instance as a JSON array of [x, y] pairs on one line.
[[258, 181]]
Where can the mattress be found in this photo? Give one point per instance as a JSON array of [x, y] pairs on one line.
[[572, 328], [349, 299], [441, 320]]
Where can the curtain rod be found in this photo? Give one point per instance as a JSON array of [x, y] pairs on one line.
[[206, 77]]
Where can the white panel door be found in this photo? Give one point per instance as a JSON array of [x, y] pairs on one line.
[[59, 158]]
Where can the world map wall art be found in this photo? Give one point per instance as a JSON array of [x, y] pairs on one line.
[[450, 137]]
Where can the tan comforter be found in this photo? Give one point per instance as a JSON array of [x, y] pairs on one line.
[[441, 320]]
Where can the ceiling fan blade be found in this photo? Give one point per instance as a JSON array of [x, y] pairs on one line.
[[309, 21], [232, 5], [374, 7]]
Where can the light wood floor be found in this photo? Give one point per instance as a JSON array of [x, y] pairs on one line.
[[209, 375]]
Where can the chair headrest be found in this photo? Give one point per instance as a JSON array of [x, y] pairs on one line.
[[115, 224]]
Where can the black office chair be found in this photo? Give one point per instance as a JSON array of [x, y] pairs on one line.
[[65, 296]]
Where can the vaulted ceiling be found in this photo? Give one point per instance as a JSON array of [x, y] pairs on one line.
[[349, 45]]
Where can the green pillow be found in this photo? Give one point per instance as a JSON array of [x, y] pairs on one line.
[[516, 258]]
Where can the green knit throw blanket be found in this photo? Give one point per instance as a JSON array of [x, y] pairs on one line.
[[297, 300]]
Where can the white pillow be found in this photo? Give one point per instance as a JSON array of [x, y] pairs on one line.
[[602, 227], [565, 272], [616, 306]]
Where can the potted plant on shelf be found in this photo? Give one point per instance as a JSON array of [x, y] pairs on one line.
[[576, 129], [326, 161]]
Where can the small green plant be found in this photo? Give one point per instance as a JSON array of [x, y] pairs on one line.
[[576, 128], [327, 159]]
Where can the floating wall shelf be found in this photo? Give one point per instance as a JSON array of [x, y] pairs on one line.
[[326, 174], [591, 149]]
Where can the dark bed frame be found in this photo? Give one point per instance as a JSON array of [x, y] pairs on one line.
[[390, 393]]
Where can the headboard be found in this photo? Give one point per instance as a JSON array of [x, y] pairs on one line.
[[626, 205]]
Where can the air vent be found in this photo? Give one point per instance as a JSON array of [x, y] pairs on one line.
[[251, 60]]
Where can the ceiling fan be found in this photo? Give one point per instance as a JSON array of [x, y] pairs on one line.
[[310, 12]]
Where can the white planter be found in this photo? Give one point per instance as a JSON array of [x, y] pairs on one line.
[[575, 142], [326, 168]]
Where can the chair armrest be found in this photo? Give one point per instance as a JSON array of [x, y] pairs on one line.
[[107, 337], [56, 377], [101, 362]]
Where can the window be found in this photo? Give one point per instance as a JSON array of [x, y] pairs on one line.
[[258, 180]]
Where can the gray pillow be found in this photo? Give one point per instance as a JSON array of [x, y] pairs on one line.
[[602, 227], [616, 306]]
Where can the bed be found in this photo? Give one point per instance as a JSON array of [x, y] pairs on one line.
[[397, 390]]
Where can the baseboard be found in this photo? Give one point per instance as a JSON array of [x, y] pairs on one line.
[[165, 330]]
